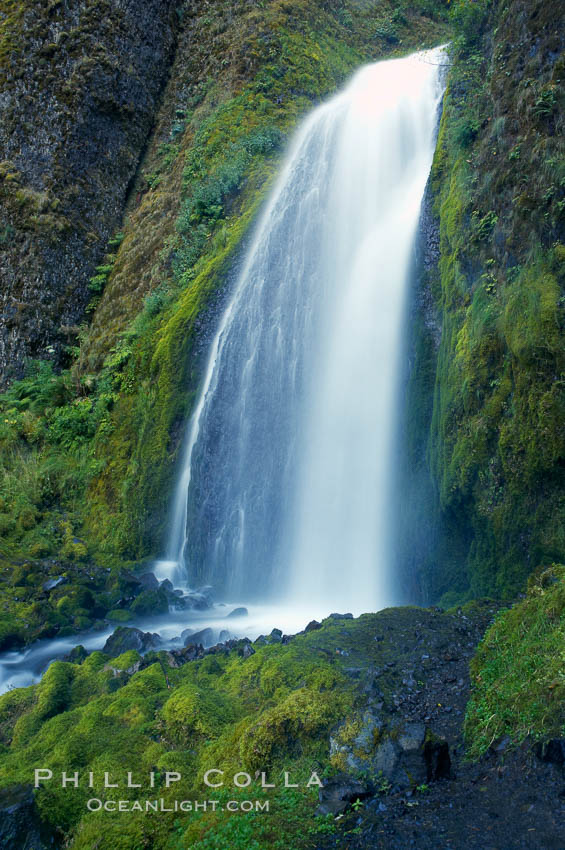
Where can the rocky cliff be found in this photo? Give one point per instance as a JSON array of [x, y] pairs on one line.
[[100, 438], [484, 491], [80, 85]]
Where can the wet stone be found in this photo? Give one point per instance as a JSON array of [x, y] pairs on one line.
[[340, 792], [238, 612], [204, 637], [125, 638], [20, 825]]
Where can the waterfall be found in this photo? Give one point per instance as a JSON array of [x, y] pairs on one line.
[[287, 471]]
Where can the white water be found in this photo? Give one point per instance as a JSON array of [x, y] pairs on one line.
[[286, 475], [286, 478]]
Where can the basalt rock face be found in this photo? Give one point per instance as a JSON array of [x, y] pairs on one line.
[[79, 87], [483, 490], [20, 825]]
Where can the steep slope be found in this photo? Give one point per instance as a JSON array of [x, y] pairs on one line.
[[92, 451], [486, 401], [79, 88]]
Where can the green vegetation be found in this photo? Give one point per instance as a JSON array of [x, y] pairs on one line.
[[271, 712], [519, 670], [89, 453], [495, 439]]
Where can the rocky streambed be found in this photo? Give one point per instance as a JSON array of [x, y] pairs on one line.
[[375, 704]]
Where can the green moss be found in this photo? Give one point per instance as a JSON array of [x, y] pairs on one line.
[[97, 451], [495, 445], [119, 616], [518, 673], [272, 712]]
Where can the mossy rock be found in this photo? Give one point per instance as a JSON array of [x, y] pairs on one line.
[[150, 602]]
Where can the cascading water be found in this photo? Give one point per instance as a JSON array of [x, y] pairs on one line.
[[287, 477]]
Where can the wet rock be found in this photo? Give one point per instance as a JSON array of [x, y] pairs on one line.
[[359, 752], [238, 612], [340, 792], [173, 660], [411, 768], [20, 825], [125, 638], [54, 582], [501, 744], [196, 602], [312, 626], [167, 585], [552, 751], [151, 602], [84, 125], [77, 655], [241, 646], [200, 599], [386, 759], [437, 758], [191, 652], [127, 584], [207, 591], [149, 581], [405, 754], [204, 637]]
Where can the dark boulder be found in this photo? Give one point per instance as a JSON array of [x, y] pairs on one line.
[[340, 792], [552, 751], [127, 584], [207, 591], [238, 612], [312, 626], [191, 652], [151, 602], [204, 637], [77, 655], [125, 638], [196, 601], [20, 825], [149, 581], [200, 599]]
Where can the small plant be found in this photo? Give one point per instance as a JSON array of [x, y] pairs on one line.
[[382, 785], [423, 788], [483, 226], [546, 103]]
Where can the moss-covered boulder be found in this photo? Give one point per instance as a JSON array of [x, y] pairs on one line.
[[274, 712], [125, 639]]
